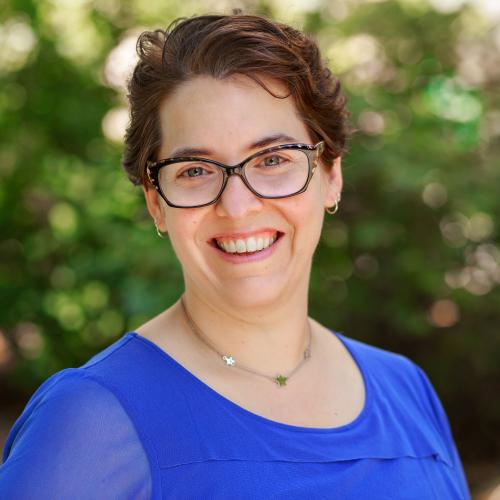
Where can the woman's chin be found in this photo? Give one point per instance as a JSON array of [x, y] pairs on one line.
[[253, 292]]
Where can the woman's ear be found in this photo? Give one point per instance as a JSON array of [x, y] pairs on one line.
[[334, 182], [155, 207]]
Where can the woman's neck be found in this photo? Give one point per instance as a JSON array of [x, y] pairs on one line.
[[266, 338]]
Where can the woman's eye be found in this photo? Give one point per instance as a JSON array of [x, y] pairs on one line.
[[271, 161], [193, 172]]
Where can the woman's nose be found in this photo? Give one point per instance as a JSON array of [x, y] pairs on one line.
[[237, 200]]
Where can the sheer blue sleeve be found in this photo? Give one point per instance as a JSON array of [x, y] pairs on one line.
[[74, 440], [439, 417]]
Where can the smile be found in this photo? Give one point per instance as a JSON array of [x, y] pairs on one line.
[[243, 248], [252, 244]]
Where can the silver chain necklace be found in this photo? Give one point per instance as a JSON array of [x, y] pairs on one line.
[[279, 379]]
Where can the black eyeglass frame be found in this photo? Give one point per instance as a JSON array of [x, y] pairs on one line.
[[313, 152]]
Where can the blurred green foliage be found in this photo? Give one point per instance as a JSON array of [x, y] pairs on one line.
[[410, 263]]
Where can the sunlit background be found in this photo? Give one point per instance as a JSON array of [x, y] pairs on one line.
[[410, 263]]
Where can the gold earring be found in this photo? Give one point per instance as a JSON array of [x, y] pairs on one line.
[[160, 234], [335, 208]]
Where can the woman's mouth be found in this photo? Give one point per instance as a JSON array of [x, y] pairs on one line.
[[256, 244], [247, 245]]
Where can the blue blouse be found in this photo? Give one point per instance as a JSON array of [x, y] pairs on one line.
[[133, 423]]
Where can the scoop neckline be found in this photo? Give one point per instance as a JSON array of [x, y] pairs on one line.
[[274, 423]]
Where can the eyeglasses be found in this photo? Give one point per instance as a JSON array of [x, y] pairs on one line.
[[277, 172]]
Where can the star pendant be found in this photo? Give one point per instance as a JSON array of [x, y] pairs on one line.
[[230, 361], [280, 380]]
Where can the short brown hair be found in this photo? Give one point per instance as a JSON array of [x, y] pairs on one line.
[[220, 46]]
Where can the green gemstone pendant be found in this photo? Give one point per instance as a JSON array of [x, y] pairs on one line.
[[280, 380]]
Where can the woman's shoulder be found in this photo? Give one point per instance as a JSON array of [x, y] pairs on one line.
[[72, 432], [379, 358], [74, 400], [68, 402], [399, 378], [402, 384], [395, 375]]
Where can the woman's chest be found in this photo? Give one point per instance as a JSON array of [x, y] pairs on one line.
[[326, 391], [321, 397]]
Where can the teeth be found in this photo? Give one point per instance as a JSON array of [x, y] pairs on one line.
[[250, 244], [240, 246]]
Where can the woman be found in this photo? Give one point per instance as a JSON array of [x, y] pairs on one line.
[[236, 135]]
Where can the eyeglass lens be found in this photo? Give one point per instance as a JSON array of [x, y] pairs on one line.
[[274, 174]]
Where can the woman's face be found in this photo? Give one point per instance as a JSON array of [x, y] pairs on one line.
[[223, 118]]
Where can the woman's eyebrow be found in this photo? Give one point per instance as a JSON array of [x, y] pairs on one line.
[[271, 139], [261, 143]]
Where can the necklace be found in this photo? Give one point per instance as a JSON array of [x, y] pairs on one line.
[[279, 379]]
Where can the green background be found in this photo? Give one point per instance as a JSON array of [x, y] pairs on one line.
[[410, 263]]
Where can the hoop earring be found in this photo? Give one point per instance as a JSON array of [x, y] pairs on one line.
[[335, 208], [159, 233]]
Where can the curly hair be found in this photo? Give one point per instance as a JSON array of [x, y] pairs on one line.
[[221, 46]]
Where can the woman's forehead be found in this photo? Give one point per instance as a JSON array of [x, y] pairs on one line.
[[229, 112]]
